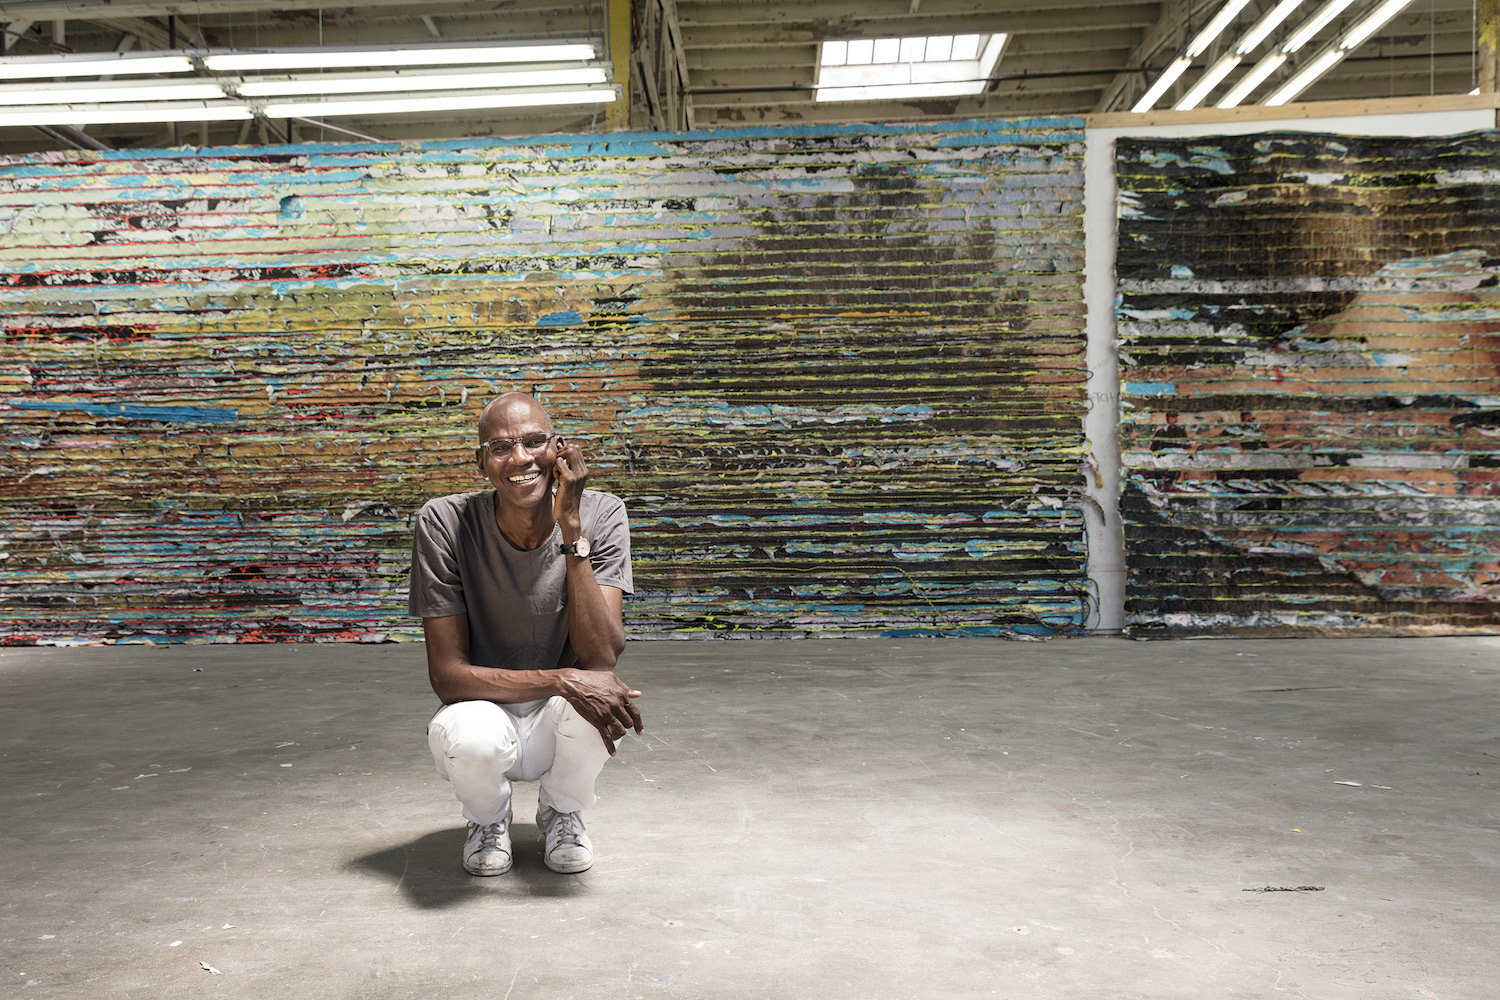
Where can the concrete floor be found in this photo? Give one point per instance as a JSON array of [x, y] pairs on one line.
[[830, 819]]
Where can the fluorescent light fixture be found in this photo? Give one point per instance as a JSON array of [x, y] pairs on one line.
[[93, 64], [1373, 23], [1168, 77], [1207, 82], [883, 69], [1267, 24], [1305, 76], [416, 82], [1315, 24], [444, 103], [1252, 79], [84, 114], [384, 58], [102, 92], [1214, 27], [485, 75]]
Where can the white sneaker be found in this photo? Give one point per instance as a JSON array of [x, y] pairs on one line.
[[568, 847], [487, 851]]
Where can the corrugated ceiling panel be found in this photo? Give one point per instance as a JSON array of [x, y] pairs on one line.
[[836, 373]]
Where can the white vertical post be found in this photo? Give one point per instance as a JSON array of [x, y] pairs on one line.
[[1101, 426]]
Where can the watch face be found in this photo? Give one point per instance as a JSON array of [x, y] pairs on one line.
[[582, 547]]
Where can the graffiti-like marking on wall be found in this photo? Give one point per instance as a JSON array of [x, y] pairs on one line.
[[1310, 339], [836, 373]]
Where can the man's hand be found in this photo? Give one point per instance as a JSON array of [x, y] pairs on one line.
[[605, 701], [571, 473]]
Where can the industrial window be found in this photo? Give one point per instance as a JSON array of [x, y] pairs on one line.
[[882, 69]]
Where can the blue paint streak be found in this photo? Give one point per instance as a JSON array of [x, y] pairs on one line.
[[135, 411], [1150, 389], [972, 132], [568, 318]]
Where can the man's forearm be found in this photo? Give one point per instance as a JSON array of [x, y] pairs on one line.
[[597, 694], [455, 678], [469, 682], [594, 625]]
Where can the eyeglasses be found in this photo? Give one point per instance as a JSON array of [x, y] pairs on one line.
[[532, 444]]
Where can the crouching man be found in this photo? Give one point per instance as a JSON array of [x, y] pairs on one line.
[[520, 590]]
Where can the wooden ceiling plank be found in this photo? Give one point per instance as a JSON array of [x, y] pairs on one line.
[[1018, 105], [697, 14], [1109, 17]]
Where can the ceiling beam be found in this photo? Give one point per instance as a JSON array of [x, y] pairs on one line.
[[946, 109], [77, 138], [14, 32], [92, 9], [799, 93], [1169, 31], [1488, 55], [1416, 68], [152, 35], [1026, 73], [805, 32], [660, 67], [617, 42], [696, 13]]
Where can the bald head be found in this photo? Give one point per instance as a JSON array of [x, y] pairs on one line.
[[513, 408]]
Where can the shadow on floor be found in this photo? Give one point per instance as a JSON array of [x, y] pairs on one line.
[[429, 871]]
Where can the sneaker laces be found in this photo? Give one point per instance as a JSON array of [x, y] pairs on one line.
[[565, 828], [489, 836]]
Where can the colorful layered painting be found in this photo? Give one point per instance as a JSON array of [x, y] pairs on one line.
[[836, 373], [1310, 338]]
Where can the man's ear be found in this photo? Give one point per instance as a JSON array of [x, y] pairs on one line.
[[479, 459]]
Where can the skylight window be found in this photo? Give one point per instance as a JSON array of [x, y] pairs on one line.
[[884, 69]]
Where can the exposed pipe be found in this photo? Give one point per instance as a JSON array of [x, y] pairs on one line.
[[75, 137]]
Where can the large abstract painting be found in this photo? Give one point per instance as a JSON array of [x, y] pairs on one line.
[[1310, 337], [835, 372]]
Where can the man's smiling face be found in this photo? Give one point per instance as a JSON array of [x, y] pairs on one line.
[[517, 451]]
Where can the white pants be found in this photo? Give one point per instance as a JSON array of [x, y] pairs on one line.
[[481, 747]]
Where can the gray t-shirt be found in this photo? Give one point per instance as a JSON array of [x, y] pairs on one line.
[[516, 599]]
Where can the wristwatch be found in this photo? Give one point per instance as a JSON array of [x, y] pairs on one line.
[[578, 548]]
